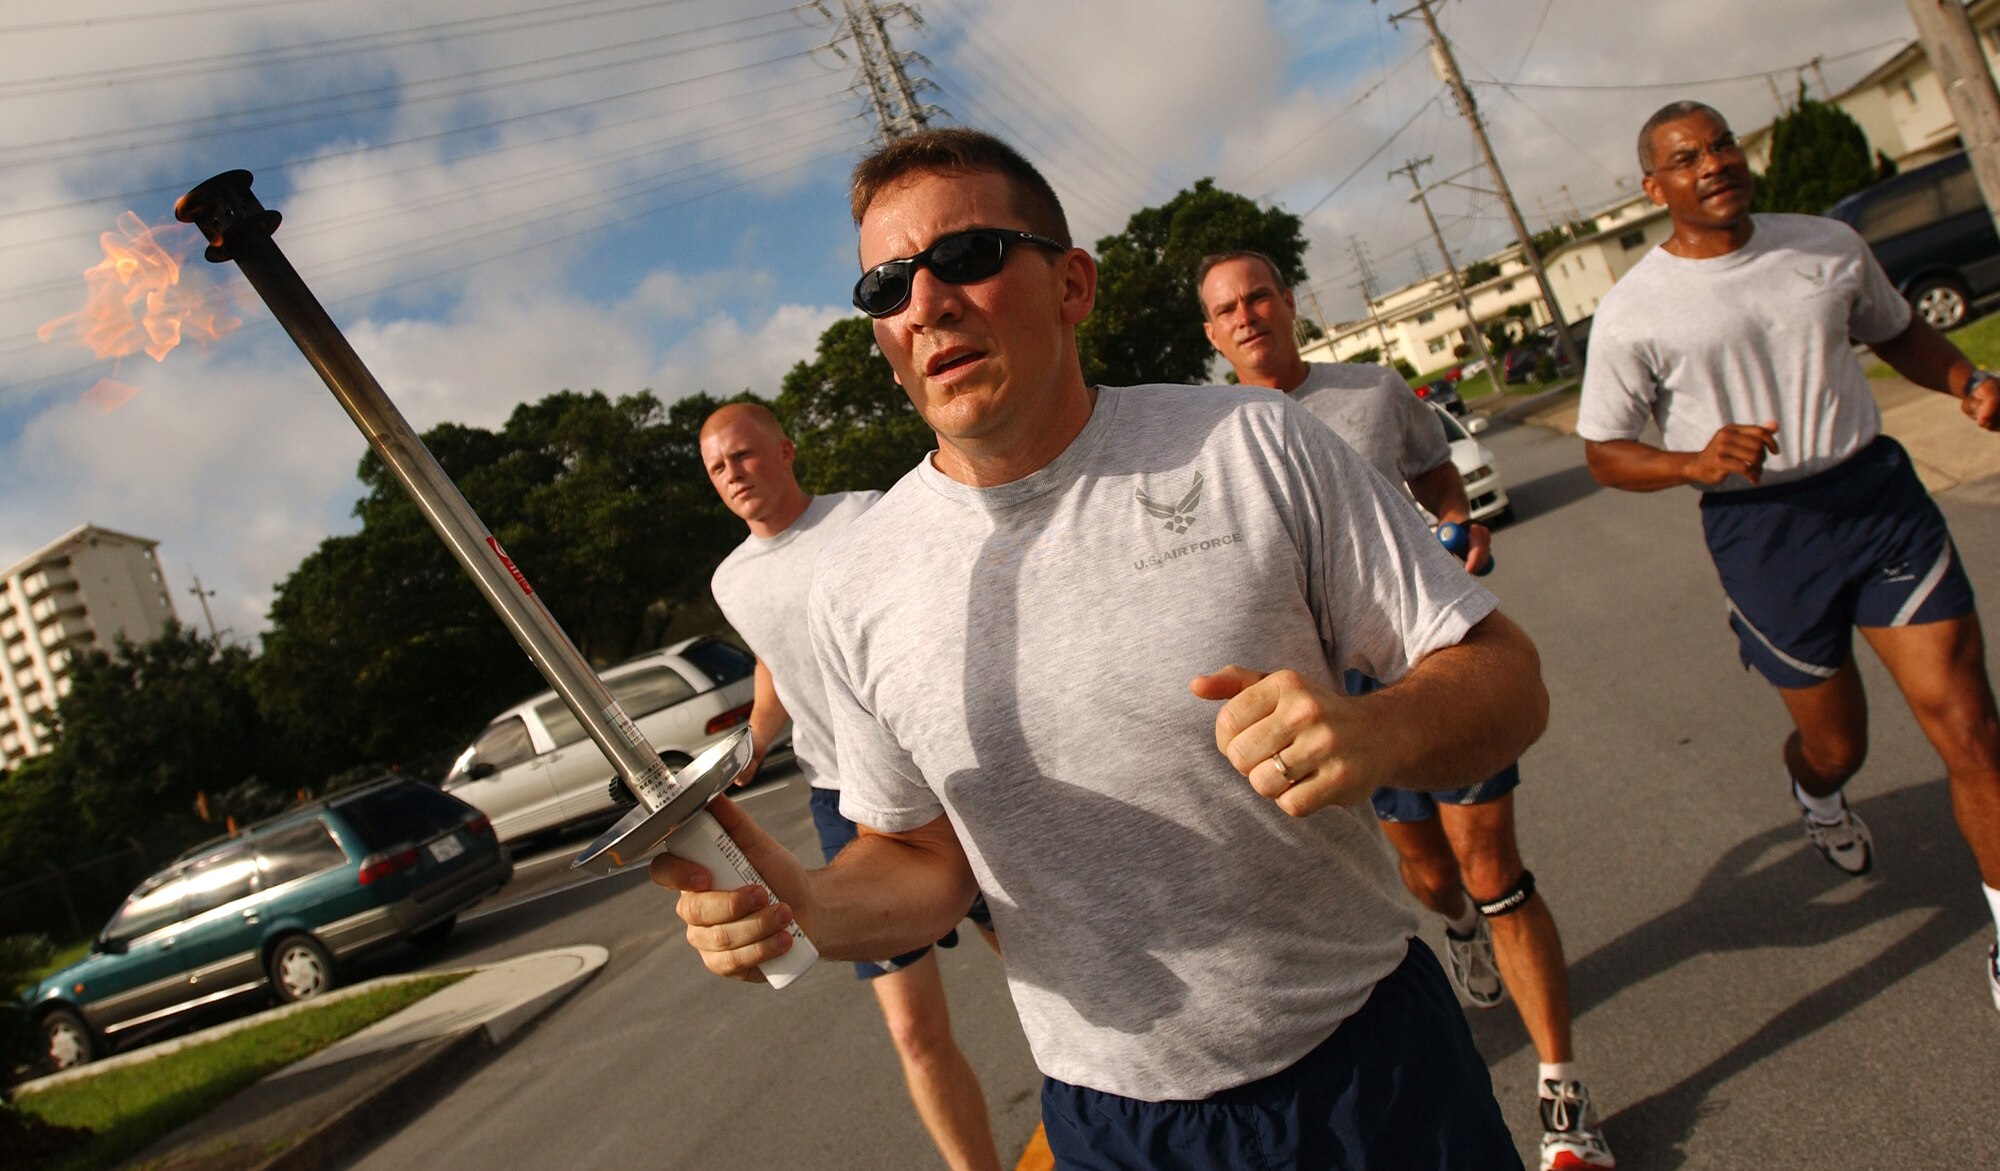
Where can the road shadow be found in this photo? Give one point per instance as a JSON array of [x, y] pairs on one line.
[[1552, 492], [1781, 904]]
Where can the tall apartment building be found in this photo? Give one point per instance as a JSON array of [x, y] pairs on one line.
[[85, 589]]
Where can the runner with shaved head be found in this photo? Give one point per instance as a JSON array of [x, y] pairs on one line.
[[761, 588]]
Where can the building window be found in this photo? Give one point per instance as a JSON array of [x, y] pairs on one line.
[[1505, 287], [1632, 239], [1909, 91], [1437, 345], [1426, 317]]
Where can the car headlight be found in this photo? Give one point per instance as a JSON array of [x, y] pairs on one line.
[[1481, 472]]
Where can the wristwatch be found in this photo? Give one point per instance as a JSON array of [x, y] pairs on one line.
[[1973, 380]]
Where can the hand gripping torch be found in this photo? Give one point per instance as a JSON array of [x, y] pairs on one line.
[[672, 807]]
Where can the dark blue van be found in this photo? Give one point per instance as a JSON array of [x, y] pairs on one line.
[[1934, 236]]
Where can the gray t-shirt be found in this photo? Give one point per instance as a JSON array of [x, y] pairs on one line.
[[1763, 333], [1017, 659], [761, 587], [1374, 410]]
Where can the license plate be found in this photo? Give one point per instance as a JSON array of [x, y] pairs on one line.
[[445, 849]]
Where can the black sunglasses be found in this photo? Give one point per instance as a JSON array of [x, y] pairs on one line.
[[959, 258]]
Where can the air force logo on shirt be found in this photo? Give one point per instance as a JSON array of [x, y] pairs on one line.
[[1178, 518]]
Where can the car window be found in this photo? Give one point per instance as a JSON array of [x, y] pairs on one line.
[[1958, 193], [149, 909], [719, 661], [561, 723], [221, 878], [1452, 431], [1895, 212], [296, 851], [398, 813], [649, 690], [504, 743]]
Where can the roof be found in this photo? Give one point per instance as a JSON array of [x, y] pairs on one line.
[[72, 538]]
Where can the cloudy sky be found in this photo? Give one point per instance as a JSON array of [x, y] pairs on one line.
[[498, 199]]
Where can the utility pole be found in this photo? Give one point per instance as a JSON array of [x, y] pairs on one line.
[[891, 94], [1777, 99], [204, 595], [1953, 49], [1473, 333], [1447, 66], [1367, 287], [1325, 329], [1819, 75]]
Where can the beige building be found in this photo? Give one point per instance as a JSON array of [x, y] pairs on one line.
[[1899, 105], [87, 588], [1423, 325]]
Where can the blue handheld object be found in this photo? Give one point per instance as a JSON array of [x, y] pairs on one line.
[[1457, 540]]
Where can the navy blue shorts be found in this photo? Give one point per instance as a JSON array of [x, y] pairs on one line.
[[835, 832], [1413, 805], [1397, 1087], [1804, 563]]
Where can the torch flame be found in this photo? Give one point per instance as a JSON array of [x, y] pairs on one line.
[[136, 302]]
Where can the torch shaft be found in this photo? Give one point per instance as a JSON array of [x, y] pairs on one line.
[[470, 542]]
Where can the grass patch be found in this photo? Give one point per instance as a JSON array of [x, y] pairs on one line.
[[65, 955], [1980, 341], [119, 1112]]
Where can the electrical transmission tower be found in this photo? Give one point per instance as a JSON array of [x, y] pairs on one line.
[[1367, 286], [884, 78]]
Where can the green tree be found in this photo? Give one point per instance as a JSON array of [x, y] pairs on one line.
[[853, 426], [1818, 155], [381, 651], [142, 732], [1479, 272], [1146, 326]]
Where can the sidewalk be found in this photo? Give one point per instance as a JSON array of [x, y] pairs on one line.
[[1943, 444], [319, 1112]]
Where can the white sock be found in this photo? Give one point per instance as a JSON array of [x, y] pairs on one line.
[[1823, 809], [1557, 1072], [1993, 900], [1466, 921]]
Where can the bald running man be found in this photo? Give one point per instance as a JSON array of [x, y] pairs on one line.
[[761, 587], [1457, 849]]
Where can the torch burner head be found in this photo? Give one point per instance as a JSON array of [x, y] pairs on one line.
[[221, 207]]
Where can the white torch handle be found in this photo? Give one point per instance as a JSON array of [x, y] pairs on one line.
[[702, 841]]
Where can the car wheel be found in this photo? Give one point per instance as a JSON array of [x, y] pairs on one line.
[[300, 968], [66, 1040], [1942, 302], [622, 796], [435, 934]]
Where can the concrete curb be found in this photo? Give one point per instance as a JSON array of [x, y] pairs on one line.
[[317, 1113]]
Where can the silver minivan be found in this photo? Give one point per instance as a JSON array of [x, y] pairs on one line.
[[534, 768]]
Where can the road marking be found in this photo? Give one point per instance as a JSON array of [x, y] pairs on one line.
[[562, 853]]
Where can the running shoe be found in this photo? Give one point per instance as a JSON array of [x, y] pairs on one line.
[[1845, 843], [1473, 971], [1571, 1137], [1993, 972]]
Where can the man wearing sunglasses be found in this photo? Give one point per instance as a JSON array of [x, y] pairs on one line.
[[1086, 659], [1736, 336]]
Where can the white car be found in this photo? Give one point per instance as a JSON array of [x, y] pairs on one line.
[[534, 768], [1475, 464]]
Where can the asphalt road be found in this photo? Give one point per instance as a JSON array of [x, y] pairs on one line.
[[1738, 1001]]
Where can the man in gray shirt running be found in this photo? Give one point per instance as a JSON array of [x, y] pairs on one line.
[[1086, 659], [1736, 336], [761, 588], [1461, 841]]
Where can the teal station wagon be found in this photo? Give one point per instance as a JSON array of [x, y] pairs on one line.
[[279, 906]]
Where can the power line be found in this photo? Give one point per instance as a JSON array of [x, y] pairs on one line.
[[1534, 38], [1635, 87], [1372, 156], [429, 34], [130, 18], [1337, 116], [390, 96]]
